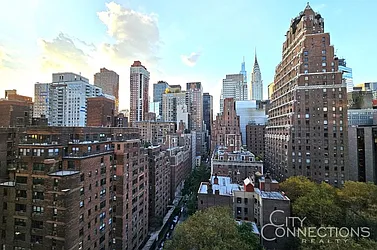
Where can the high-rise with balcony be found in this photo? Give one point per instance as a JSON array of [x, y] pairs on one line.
[[139, 86], [108, 81], [307, 126], [64, 101], [256, 90], [73, 188]]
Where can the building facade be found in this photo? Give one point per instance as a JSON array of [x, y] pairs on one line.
[[159, 183], [15, 110], [208, 117], [256, 90], [306, 132], [108, 81], [250, 111], [180, 167], [195, 107], [100, 112], [347, 74], [155, 133], [362, 143], [64, 101], [233, 87], [255, 139], [226, 128], [139, 87], [170, 105], [236, 165], [65, 189]]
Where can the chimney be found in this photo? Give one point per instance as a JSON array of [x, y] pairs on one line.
[[215, 180], [267, 182], [209, 189]]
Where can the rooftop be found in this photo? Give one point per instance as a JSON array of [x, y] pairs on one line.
[[225, 186], [64, 173], [271, 195]]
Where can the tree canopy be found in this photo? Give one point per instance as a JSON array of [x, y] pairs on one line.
[[213, 229], [354, 205]]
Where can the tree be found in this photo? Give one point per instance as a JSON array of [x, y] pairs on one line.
[[319, 206], [297, 186], [212, 229]]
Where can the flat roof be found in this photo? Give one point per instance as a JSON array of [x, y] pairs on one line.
[[273, 195], [64, 173], [225, 187]]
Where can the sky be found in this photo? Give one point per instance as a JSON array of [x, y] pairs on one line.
[[178, 41]]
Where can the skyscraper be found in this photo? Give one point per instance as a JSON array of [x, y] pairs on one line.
[[64, 101], [307, 126], [234, 87], [347, 74], [208, 111], [159, 89], [139, 85], [108, 81], [256, 90], [208, 115], [243, 70], [226, 128], [195, 107]]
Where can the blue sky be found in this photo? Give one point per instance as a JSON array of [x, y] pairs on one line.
[[178, 41]]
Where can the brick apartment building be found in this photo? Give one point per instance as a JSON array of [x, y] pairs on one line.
[[306, 132], [180, 166], [155, 132], [252, 200], [255, 140], [68, 188], [226, 128], [159, 183], [236, 165], [100, 112], [15, 110]]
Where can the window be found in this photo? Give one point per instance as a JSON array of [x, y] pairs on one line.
[[81, 203], [38, 209]]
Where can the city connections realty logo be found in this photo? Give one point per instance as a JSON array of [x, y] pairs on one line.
[[294, 227]]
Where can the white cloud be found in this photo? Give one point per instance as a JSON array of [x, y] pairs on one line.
[[63, 54], [191, 59], [136, 34], [5, 59]]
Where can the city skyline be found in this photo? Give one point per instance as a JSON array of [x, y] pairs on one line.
[[175, 47]]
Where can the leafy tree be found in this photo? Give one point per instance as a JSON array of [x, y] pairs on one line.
[[319, 206], [297, 186], [212, 229]]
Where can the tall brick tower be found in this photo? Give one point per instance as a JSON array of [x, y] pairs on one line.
[[307, 127]]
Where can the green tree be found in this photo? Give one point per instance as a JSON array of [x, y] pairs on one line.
[[212, 229], [319, 206], [297, 186]]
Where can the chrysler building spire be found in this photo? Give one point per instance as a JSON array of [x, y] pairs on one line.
[[256, 90]]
